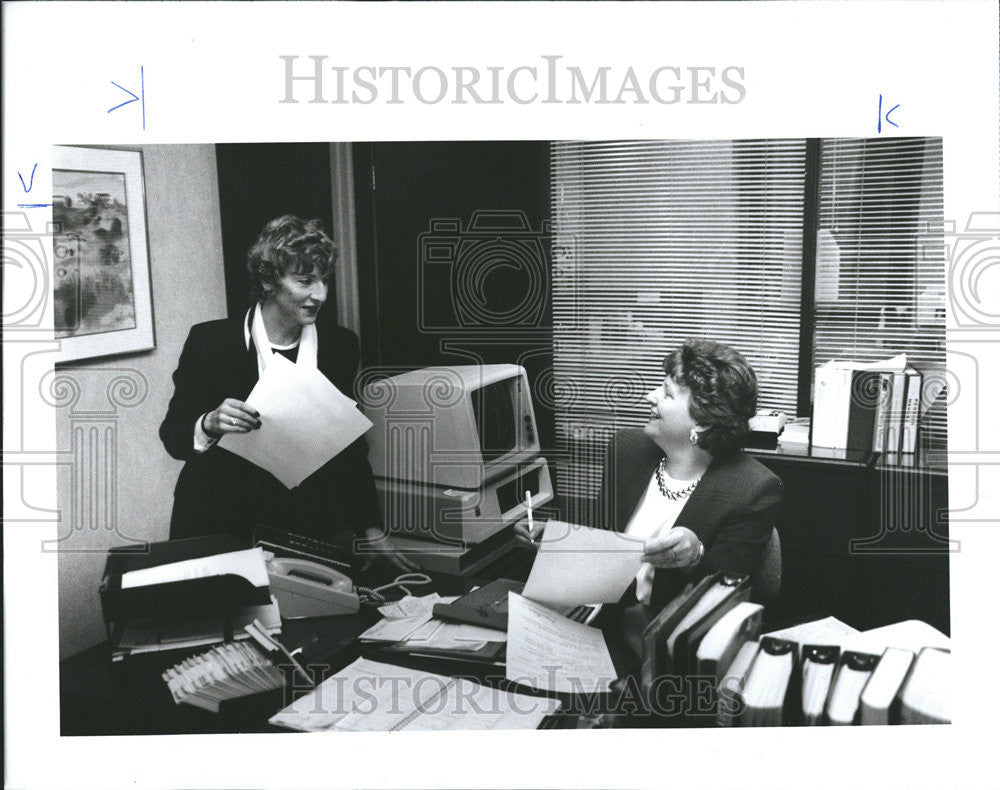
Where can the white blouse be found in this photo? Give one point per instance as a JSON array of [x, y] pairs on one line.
[[653, 516]]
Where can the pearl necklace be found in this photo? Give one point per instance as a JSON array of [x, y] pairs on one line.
[[670, 493]]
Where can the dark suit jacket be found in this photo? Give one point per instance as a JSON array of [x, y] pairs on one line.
[[732, 511], [221, 492]]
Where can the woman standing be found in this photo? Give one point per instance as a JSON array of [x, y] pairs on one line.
[[218, 491]]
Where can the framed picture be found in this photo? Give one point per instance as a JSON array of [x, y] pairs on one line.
[[102, 304]]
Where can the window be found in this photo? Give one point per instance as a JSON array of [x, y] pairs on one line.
[[658, 241]]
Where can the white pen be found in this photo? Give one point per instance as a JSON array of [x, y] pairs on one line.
[[531, 521]]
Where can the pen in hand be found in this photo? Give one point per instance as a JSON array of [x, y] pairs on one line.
[[531, 521]]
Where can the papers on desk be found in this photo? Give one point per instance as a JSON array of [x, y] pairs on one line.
[[550, 652], [409, 624], [149, 636], [578, 565], [368, 696], [248, 563], [305, 421]]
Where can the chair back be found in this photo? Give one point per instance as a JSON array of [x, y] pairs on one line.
[[767, 576]]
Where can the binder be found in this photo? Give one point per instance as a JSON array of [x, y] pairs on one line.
[[731, 704], [670, 640], [770, 692], [879, 700], [911, 412], [717, 650], [819, 663], [926, 695], [853, 672]]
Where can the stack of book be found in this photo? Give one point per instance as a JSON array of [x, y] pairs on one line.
[[874, 406]]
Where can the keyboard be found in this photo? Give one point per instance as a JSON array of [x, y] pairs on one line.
[[289, 544]]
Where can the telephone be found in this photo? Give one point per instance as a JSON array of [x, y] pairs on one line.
[[309, 589]]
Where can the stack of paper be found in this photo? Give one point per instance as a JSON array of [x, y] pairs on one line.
[[224, 672]]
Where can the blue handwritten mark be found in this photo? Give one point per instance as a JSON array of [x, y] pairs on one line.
[[141, 98], [888, 120], [33, 205], [31, 181]]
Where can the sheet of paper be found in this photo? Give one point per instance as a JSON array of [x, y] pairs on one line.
[[828, 631], [550, 652], [580, 565], [368, 696], [908, 634], [248, 563], [305, 421]]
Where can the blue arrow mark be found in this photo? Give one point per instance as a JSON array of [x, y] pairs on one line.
[[888, 119], [31, 182], [134, 97]]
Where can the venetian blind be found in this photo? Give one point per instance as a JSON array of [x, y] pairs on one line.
[[655, 242], [880, 287]]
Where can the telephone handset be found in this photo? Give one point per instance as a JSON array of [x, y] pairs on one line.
[[309, 589]]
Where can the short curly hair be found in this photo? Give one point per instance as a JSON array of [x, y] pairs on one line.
[[723, 390], [289, 245]]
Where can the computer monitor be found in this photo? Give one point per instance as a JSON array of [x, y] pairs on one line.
[[454, 427]]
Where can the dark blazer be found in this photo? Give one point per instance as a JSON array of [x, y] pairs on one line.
[[732, 511], [221, 492]]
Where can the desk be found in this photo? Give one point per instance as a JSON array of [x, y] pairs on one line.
[[92, 702], [863, 537]]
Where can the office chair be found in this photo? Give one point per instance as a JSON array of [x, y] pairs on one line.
[[767, 575]]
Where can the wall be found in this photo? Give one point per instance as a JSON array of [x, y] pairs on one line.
[[119, 487]]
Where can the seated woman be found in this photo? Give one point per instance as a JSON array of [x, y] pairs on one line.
[[219, 492], [681, 482]]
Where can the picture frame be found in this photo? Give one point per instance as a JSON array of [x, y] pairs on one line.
[[102, 300]]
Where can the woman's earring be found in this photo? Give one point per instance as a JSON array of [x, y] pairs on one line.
[[693, 438]]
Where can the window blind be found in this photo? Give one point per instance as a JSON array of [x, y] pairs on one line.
[[655, 242], [880, 287]]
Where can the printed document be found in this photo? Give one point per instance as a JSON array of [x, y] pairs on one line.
[[369, 696], [553, 653], [305, 421], [578, 565]]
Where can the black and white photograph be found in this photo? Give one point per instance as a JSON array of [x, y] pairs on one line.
[[503, 419]]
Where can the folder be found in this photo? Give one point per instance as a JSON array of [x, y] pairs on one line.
[[879, 699], [819, 664], [926, 695], [731, 704], [770, 689], [853, 672]]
